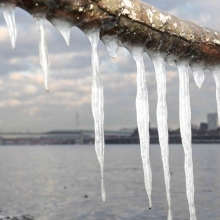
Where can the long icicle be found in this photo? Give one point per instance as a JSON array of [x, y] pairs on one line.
[[44, 57], [216, 74], [9, 15], [142, 108], [186, 134], [160, 70], [97, 105]]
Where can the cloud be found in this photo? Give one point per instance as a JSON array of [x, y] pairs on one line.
[[32, 111], [4, 34], [30, 89]]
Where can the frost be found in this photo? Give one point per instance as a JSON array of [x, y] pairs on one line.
[[127, 3], [9, 15], [164, 18], [142, 108], [216, 74], [160, 70], [44, 57], [111, 44], [185, 130], [97, 105], [63, 27], [127, 9], [150, 15]]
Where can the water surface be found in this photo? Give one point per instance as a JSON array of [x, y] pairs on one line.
[[51, 183]]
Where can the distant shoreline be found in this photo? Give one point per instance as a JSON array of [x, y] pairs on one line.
[[60, 137]]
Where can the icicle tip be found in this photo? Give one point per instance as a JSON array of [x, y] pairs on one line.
[[103, 194]]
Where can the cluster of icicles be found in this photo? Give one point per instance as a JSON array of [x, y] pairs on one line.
[[142, 106]]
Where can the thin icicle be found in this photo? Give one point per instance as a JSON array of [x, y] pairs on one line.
[[44, 57], [97, 105], [111, 44], [216, 74], [142, 108], [186, 134], [160, 70], [63, 27], [198, 74], [9, 15]]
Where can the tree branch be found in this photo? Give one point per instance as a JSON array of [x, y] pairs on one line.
[[135, 23]]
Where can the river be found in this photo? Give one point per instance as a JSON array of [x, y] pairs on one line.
[[63, 182]]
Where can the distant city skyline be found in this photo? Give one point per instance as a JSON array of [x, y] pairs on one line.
[[210, 123]]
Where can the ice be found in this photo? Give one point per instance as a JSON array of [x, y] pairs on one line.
[[160, 70], [216, 74], [44, 57], [185, 130], [111, 44], [9, 15], [170, 60], [97, 105], [142, 108], [198, 74], [63, 27]]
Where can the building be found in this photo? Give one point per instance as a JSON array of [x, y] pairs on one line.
[[203, 126], [212, 121]]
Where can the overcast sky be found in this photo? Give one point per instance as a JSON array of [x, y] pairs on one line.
[[26, 106]]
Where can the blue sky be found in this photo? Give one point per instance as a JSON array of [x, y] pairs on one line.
[[26, 106]]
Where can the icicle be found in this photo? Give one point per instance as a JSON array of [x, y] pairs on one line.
[[185, 130], [97, 105], [111, 44], [9, 15], [44, 57], [63, 27], [160, 70], [198, 74], [142, 108], [170, 60], [216, 74]]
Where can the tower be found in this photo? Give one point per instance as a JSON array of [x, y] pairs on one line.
[[212, 121], [77, 122]]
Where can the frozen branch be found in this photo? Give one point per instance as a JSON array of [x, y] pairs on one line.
[[136, 23]]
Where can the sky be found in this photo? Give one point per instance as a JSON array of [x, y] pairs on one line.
[[25, 106]]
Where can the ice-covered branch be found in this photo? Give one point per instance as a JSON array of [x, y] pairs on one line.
[[135, 22]]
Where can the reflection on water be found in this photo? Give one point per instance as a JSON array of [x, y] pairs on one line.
[[63, 182]]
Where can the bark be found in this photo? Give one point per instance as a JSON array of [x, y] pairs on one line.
[[135, 23]]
